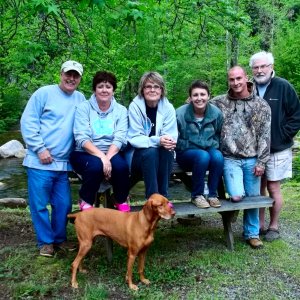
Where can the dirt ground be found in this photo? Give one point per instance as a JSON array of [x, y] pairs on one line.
[[15, 230], [18, 229]]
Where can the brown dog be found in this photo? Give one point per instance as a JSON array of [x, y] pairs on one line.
[[132, 230]]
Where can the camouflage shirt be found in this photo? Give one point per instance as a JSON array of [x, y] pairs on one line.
[[246, 128]]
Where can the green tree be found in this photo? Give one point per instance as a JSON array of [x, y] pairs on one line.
[[182, 39]]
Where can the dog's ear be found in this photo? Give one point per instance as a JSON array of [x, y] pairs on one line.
[[157, 200], [153, 202], [161, 206]]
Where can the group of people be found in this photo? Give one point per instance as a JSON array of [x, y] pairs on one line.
[[244, 135]]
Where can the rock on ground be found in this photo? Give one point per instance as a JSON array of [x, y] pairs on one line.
[[12, 148], [13, 202]]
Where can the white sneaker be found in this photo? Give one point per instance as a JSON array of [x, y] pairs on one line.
[[214, 202], [200, 202]]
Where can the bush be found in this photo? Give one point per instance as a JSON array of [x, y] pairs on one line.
[[12, 103]]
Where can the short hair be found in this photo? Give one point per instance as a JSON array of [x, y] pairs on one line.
[[198, 84], [262, 55], [103, 76], [237, 67], [155, 77]]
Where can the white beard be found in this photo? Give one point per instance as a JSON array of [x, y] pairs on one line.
[[262, 79]]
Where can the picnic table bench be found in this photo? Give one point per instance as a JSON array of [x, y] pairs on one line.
[[228, 210]]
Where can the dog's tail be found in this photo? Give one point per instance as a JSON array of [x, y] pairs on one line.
[[72, 217]]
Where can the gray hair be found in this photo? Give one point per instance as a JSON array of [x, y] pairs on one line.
[[155, 77], [262, 55]]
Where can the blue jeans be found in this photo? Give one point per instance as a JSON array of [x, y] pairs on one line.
[[90, 167], [241, 181], [155, 166], [49, 187], [199, 161]]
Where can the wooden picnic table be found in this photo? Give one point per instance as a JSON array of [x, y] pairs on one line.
[[228, 210]]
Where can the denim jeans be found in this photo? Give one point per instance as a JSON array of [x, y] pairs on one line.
[[49, 187], [90, 167], [199, 161], [241, 181], [155, 166]]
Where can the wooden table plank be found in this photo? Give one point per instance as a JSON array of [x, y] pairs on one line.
[[188, 208]]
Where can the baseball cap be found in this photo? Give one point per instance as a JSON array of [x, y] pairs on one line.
[[72, 65]]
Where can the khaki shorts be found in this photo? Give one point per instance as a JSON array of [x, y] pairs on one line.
[[279, 166]]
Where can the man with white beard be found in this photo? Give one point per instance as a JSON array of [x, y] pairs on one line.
[[285, 123]]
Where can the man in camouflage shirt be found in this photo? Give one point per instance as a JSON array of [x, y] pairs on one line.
[[245, 144]]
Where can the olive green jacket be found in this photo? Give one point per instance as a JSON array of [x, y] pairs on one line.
[[192, 135]]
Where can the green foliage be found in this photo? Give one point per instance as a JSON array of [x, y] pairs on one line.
[[31, 291], [11, 106], [183, 40], [45, 6], [96, 293], [287, 53], [296, 169]]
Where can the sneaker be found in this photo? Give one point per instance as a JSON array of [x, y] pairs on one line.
[[255, 243], [124, 207], [47, 250], [214, 202], [84, 205], [200, 202], [66, 246]]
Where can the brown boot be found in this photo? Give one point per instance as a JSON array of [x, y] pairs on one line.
[[47, 250], [255, 243]]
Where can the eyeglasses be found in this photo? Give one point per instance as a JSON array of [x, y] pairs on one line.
[[262, 67], [149, 87]]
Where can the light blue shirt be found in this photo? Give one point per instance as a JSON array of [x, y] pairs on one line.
[[47, 123], [101, 128], [140, 125], [262, 89]]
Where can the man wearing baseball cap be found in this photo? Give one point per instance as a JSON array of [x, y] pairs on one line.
[[47, 129]]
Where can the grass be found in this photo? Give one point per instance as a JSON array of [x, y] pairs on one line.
[[183, 263]]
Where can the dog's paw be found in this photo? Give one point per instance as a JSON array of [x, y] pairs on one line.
[[145, 281], [75, 285], [133, 287]]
